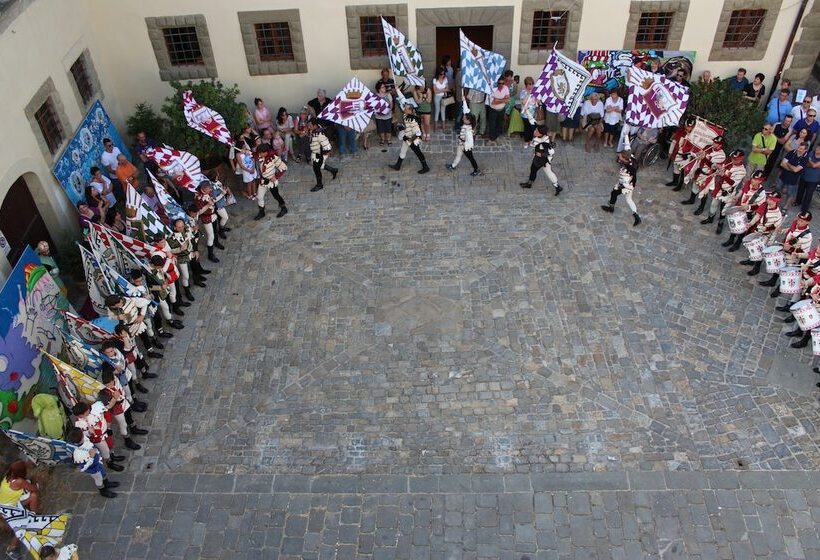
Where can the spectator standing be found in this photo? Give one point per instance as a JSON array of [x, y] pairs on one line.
[[386, 81], [782, 132], [569, 125], [763, 145], [284, 124], [478, 107], [261, 116], [809, 123], [441, 87], [793, 165], [815, 102], [142, 145], [245, 162], [613, 109], [529, 105], [756, 90], [346, 137], [801, 111], [809, 180], [593, 111], [739, 80], [108, 159], [495, 113], [779, 107], [706, 78], [384, 121]]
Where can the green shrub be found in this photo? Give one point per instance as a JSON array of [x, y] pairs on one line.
[[145, 119], [722, 105]]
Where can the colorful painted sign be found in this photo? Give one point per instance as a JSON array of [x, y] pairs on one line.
[[73, 169], [608, 68]]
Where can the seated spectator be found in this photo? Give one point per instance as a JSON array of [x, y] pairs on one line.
[[739, 81], [280, 147], [127, 172], [284, 124], [756, 90], [810, 123], [316, 105], [801, 111], [115, 221], [17, 490], [779, 107], [44, 252], [87, 216], [102, 186], [301, 131]]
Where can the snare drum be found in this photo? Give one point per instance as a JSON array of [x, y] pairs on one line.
[[806, 313], [790, 280], [755, 243], [737, 220], [775, 258]]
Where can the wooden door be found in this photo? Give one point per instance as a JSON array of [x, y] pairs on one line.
[[448, 41], [21, 222]]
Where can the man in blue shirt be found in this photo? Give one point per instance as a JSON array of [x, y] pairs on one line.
[[809, 122], [792, 166], [809, 180], [779, 107], [739, 82]]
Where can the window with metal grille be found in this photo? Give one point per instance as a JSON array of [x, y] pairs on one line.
[[744, 27], [653, 30], [373, 35], [84, 84], [183, 46], [46, 118], [548, 28], [274, 41]]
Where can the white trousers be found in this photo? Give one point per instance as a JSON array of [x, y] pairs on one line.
[[550, 174], [102, 447], [184, 273], [165, 311], [223, 216], [209, 234], [122, 425], [172, 293], [629, 201]]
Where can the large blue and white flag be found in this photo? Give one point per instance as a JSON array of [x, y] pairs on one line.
[[480, 68], [86, 331], [83, 356], [96, 282], [42, 450]]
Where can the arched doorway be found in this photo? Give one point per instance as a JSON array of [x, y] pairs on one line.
[[20, 221]]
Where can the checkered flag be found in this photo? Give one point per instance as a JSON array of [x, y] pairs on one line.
[[134, 253], [480, 68], [654, 101], [561, 85], [354, 106], [182, 167], [404, 56], [143, 223], [171, 206], [204, 119]]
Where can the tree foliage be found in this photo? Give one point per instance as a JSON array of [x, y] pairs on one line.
[[145, 119], [720, 104]]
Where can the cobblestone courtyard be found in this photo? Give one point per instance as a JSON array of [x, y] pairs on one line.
[[450, 367]]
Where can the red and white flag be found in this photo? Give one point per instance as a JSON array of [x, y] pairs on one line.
[[182, 167], [204, 119]]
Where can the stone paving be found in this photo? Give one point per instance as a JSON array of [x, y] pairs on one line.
[[443, 366]]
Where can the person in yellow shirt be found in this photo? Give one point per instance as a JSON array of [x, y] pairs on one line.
[[17, 490]]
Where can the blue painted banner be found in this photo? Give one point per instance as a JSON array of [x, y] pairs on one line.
[[73, 169]]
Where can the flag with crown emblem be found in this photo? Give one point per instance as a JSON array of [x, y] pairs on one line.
[[81, 355], [182, 167], [41, 450], [354, 106], [654, 101], [204, 119], [404, 56], [561, 85], [480, 68]]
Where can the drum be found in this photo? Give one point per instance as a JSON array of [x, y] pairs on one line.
[[775, 258], [815, 342], [755, 243], [807, 316], [790, 280], [737, 220]]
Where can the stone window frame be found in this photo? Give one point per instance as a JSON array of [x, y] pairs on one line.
[[758, 52], [168, 72], [93, 78], [259, 67], [679, 9], [573, 9], [44, 93], [358, 61]]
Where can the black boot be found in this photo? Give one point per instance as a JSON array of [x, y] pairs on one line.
[[674, 180], [679, 186], [770, 282], [188, 294], [608, 208], [558, 189], [137, 431], [139, 406], [755, 269], [149, 375], [158, 344], [118, 458], [424, 169], [225, 229], [526, 185], [219, 245], [397, 165], [260, 213], [746, 262], [131, 444], [211, 256], [701, 208], [796, 332], [200, 282], [317, 188], [790, 319], [177, 324], [803, 342], [784, 308], [637, 219], [222, 234], [729, 242], [775, 292], [141, 388], [736, 245], [690, 200], [110, 483], [708, 220], [333, 171], [177, 310], [114, 466], [282, 211], [719, 229], [106, 493]]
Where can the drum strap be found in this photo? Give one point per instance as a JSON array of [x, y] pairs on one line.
[[755, 196], [801, 234]]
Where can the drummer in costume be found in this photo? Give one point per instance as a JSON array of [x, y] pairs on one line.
[[766, 222], [627, 176], [750, 197], [722, 185], [320, 149], [805, 336], [681, 149], [697, 171], [410, 132], [272, 168], [543, 150], [796, 246]]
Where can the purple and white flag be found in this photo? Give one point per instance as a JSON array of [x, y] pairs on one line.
[[354, 106], [654, 101], [561, 85]]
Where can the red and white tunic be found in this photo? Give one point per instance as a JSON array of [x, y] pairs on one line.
[[797, 243], [731, 175], [708, 161], [766, 220], [205, 203]]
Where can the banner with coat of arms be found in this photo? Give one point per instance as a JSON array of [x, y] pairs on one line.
[[654, 101], [480, 68], [561, 85], [404, 56], [354, 106]]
